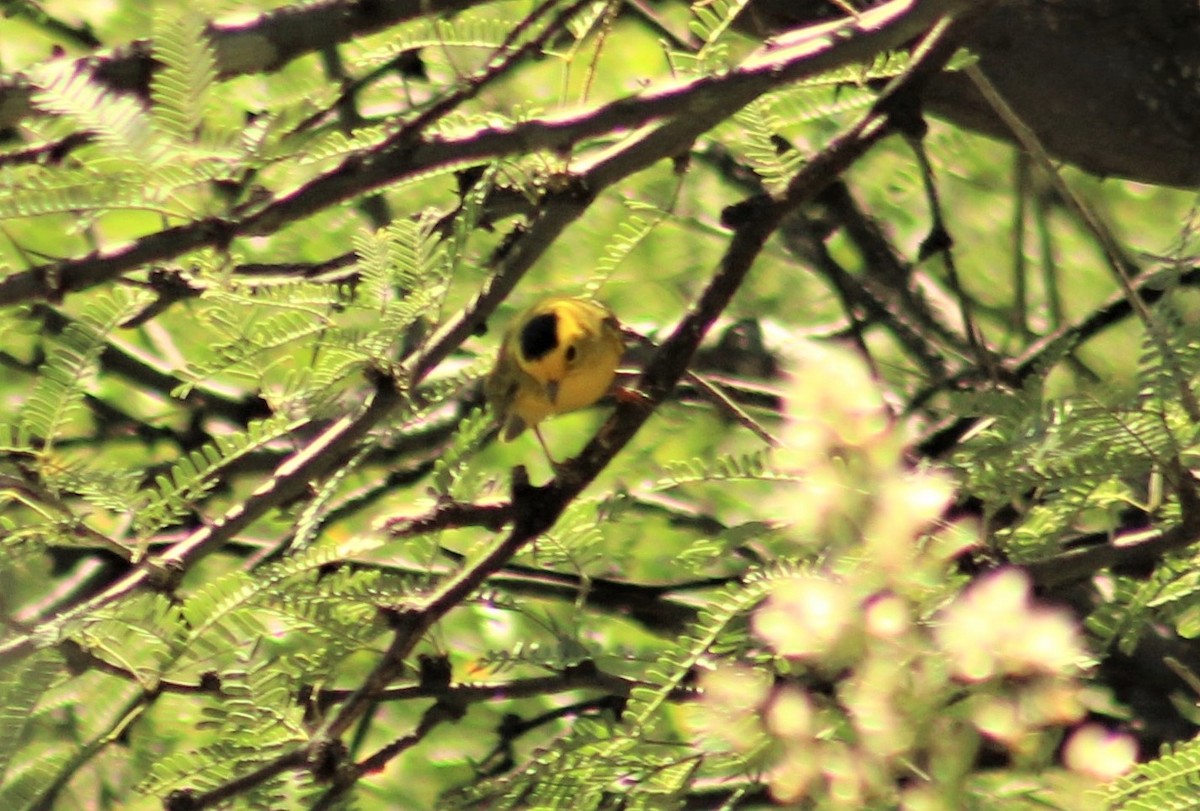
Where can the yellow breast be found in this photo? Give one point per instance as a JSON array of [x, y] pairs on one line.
[[561, 355]]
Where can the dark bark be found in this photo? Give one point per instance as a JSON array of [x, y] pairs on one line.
[[1112, 86]]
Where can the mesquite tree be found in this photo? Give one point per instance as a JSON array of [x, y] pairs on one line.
[[892, 503]]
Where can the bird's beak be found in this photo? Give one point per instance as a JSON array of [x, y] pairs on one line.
[[552, 390]]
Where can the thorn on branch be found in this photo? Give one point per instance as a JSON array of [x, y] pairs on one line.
[[327, 760], [465, 179], [410, 65], [433, 672], [446, 709], [584, 670], [904, 113], [171, 286], [568, 187], [209, 682], [74, 657], [400, 619], [164, 576], [746, 211], [507, 243], [937, 241], [219, 233], [183, 799]]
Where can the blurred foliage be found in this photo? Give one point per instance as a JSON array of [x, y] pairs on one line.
[[928, 548]]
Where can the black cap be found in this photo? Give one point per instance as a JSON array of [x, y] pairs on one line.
[[540, 336]]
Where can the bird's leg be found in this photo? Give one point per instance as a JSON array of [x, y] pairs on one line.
[[546, 449]]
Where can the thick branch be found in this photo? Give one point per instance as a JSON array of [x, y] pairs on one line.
[[689, 109], [264, 45]]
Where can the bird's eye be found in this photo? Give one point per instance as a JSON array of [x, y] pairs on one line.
[[571, 353]]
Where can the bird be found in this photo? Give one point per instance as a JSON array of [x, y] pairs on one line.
[[559, 355]]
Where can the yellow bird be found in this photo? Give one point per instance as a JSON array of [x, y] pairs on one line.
[[560, 355]]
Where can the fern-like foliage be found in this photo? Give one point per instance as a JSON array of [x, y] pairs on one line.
[[720, 625], [206, 434], [181, 88], [453, 475], [120, 124], [711, 21], [255, 714], [143, 636], [1170, 780], [405, 268], [73, 191], [625, 240], [1170, 355], [21, 688], [227, 611], [68, 370], [744, 467], [762, 146], [464, 31], [208, 767], [1081, 463], [25, 785], [600, 756], [193, 475]]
